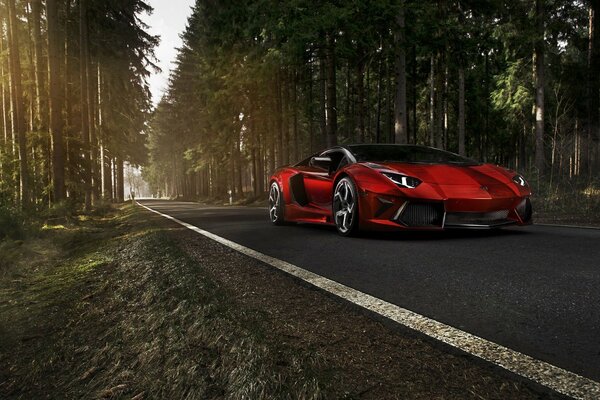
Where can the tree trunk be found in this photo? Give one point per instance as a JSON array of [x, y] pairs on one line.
[[30, 90], [260, 165], [103, 158], [379, 96], [577, 156], [279, 119], [91, 89], [360, 99], [593, 95], [414, 94], [461, 110], [39, 66], [18, 104], [390, 94], [323, 96], [238, 167], [331, 117], [294, 103], [483, 135], [119, 181], [311, 124], [400, 119], [5, 105], [271, 143], [367, 108], [70, 75], [285, 114], [84, 103], [432, 102], [347, 131], [438, 102], [445, 106], [54, 102], [539, 88], [255, 177]]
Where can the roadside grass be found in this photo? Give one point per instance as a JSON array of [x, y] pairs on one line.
[[566, 201], [110, 307]]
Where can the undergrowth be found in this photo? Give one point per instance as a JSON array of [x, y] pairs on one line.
[[575, 200]]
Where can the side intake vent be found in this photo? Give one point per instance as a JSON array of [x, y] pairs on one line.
[[298, 190], [422, 214], [524, 209]]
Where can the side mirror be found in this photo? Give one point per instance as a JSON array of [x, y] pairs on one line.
[[321, 162]]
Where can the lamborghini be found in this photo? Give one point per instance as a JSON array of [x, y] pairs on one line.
[[397, 187]]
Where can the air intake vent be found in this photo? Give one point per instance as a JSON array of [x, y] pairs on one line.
[[480, 219], [524, 209], [422, 214]]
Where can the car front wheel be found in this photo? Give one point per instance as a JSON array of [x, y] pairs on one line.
[[275, 205], [345, 207]]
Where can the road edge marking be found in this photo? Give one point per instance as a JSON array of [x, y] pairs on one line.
[[569, 226], [541, 372]]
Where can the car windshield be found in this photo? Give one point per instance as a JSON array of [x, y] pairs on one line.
[[406, 154]]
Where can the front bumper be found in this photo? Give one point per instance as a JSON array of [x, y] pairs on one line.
[[394, 213]]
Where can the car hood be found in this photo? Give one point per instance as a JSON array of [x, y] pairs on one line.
[[447, 174]]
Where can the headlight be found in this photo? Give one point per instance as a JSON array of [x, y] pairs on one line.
[[402, 180], [519, 180]]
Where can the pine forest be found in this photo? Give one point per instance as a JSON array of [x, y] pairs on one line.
[[260, 84]]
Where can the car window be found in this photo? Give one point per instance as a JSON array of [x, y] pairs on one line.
[[337, 157], [306, 161], [408, 154], [343, 163]]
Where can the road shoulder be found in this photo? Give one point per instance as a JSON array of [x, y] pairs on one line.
[[371, 359]]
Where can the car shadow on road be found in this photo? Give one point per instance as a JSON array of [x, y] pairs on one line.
[[449, 234]]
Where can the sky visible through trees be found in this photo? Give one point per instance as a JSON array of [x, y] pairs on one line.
[[259, 84]]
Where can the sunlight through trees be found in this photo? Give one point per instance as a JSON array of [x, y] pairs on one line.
[[259, 84]]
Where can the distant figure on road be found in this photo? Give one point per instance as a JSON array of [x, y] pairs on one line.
[[132, 195]]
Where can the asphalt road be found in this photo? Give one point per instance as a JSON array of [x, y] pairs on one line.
[[533, 289]]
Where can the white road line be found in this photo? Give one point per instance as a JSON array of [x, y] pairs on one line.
[[569, 226], [553, 377]]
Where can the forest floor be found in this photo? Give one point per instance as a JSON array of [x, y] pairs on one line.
[[129, 305], [587, 215]]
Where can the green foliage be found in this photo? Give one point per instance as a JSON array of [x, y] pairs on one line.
[[514, 94], [12, 223], [249, 89]]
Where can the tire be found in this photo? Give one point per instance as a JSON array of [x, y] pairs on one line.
[[276, 210], [345, 207]]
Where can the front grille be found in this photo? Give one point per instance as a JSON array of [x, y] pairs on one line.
[[471, 218], [422, 214], [525, 210]]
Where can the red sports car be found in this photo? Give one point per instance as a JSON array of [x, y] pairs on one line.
[[397, 187]]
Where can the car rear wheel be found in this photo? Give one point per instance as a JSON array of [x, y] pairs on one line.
[[345, 207], [275, 204]]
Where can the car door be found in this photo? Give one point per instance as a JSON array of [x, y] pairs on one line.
[[319, 181]]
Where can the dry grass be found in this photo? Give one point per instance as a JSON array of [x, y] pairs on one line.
[[128, 315], [567, 201]]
